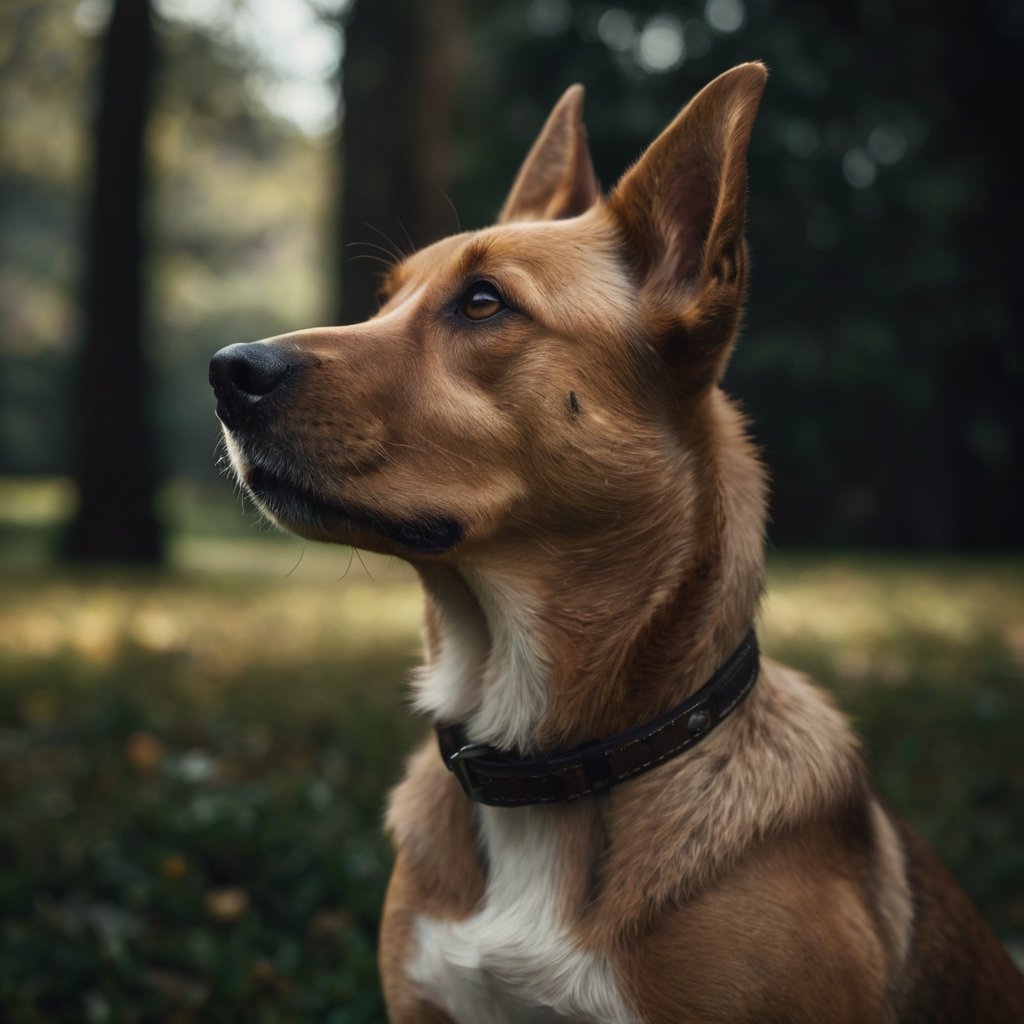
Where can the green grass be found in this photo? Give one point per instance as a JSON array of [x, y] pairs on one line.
[[193, 763]]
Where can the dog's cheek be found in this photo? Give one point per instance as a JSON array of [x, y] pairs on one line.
[[597, 465], [345, 444]]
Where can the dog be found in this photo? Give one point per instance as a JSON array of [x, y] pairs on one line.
[[628, 816]]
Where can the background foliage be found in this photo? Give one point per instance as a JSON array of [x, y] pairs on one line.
[[193, 758]]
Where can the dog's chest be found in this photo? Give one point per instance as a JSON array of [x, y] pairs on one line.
[[516, 961]]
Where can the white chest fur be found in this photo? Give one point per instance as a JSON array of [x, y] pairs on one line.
[[490, 673], [516, 961]]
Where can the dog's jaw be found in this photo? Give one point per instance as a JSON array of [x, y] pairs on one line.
[[306, 513], [298, 508]]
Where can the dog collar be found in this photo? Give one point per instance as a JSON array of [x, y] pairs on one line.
[[502, 779]]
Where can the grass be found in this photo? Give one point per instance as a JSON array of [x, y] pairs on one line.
[[193, 763]]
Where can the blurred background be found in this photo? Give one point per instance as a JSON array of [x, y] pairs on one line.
[[199, 719]]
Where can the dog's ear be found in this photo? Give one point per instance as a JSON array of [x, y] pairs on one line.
[[557, 177], [682, 209]]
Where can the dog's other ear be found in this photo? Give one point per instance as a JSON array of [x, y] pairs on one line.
[[682, 209], [557, 177]]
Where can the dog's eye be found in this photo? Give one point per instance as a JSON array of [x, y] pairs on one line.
[[481, 301]]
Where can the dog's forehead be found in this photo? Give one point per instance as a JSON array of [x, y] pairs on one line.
[[566, 269]]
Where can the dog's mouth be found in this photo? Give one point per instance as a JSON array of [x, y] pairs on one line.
[[304, 512]]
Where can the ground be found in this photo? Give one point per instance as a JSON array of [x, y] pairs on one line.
[[193, 762]]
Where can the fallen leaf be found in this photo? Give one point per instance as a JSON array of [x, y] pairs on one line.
[[226, 905]]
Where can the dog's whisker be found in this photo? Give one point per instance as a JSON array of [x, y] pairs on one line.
[[396, 250], [302, 552], [408, 238], [389, 256], [363, 564], [344, 575], [448, 200], [370, 258]]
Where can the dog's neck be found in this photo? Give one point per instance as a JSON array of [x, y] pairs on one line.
[[535, 648]]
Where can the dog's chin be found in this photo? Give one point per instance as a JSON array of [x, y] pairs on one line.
[[326, 519]]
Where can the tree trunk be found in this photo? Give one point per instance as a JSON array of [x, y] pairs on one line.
[[398, 87], [115, 463]]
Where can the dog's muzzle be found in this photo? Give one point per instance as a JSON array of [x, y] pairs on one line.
[[247, 378]]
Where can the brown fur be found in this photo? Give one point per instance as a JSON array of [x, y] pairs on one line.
[[610, 513]]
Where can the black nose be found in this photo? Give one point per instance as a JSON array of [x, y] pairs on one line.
[[244, 376]]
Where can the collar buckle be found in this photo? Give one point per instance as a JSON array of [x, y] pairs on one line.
[[458, 763]]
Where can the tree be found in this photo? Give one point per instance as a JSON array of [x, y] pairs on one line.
[[115, 461], [399, 78]]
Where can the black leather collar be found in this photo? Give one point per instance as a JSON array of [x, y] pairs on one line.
[[500, 779]]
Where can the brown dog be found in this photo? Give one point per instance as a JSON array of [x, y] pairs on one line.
[[533, 420]]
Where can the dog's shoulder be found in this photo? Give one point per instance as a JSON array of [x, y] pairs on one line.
[[775, 940], [785, 759], [767, 848], [432, 825]]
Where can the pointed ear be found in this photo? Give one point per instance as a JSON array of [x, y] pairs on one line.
[[682, 209], [557, 177]]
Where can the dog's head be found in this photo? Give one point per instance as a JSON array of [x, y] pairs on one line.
[[545, 375]]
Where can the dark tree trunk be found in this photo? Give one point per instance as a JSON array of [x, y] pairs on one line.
[[398, 87], [115, 461]]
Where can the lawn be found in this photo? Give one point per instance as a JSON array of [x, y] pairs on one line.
[[193, 763]]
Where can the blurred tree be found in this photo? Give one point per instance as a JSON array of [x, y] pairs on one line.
[[115, 465], [399, 78], [43, 68]]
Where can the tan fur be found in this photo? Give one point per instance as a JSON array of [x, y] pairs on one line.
[[557, 178], [609, 513]]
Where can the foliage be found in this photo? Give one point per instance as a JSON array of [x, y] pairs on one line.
[[193, 765], [192, 770]]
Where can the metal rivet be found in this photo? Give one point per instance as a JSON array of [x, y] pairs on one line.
[[698, 721]]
